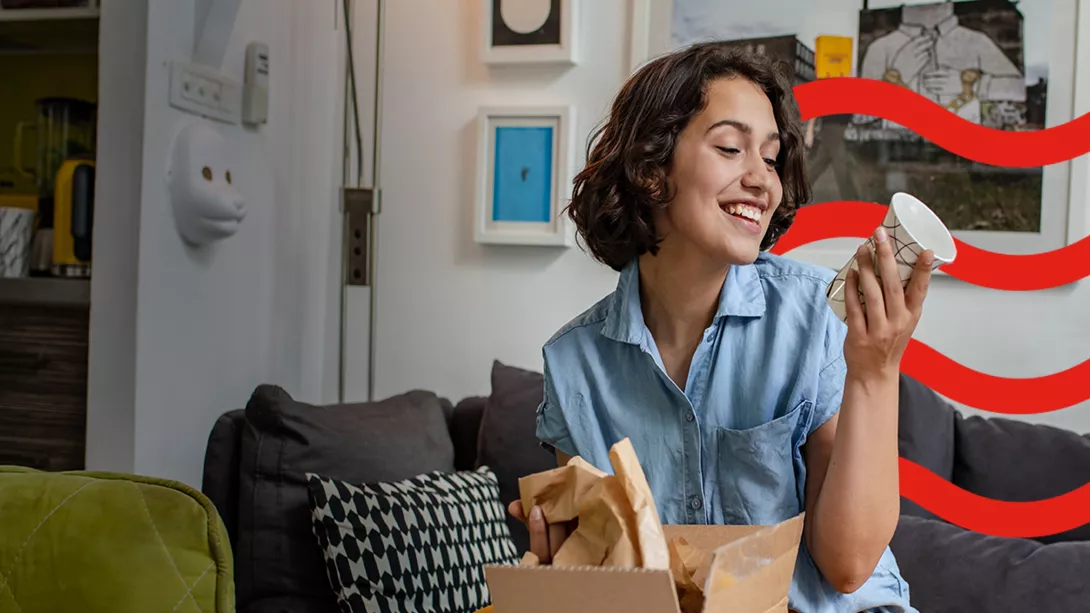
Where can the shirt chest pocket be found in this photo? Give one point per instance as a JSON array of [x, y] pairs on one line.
[[756, 469]]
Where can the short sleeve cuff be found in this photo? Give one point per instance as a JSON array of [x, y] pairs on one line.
[[552, 430]]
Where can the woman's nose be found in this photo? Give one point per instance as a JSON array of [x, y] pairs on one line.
[[756, 178]]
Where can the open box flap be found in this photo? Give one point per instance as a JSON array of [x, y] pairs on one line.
[[542, 589], [753, 573]]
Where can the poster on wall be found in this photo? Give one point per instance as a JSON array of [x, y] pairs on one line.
[[1001, 64], [970, 58]]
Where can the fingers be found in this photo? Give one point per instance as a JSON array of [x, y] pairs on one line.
[[539, 536], [868, 284], [854, 308], [893, 291], [515, 509], [918, 283]]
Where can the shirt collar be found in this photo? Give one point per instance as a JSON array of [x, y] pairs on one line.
[[943, 28], [742, 295]]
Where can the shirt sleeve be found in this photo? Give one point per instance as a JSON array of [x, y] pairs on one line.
[[830, 391], [552, 427]]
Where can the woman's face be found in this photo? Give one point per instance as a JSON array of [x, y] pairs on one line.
[[724, 177]]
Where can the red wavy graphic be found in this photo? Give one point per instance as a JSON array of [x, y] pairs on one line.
[[973, 265], [979, 267], [995, 517], [1021, 396], [856, 95]]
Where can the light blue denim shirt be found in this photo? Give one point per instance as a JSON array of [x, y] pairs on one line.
[[727, 450]]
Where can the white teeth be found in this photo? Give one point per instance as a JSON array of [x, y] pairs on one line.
[[751, 213]]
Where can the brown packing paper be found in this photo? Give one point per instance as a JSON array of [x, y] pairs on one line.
[[685, 560], [621, 549], [650, 538], [559, 491]]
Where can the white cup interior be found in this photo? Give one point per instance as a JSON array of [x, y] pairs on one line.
[[924, 226]]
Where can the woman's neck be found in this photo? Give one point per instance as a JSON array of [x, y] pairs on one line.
[[679, 298]]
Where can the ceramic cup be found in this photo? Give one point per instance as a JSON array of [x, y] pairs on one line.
[[912, 229], [16, 232]]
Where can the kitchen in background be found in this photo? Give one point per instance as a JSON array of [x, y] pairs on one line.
[[48, 118]]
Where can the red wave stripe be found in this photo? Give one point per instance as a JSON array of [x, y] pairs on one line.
[[1022, 396], [973, 265], [995, 517], [856, 95]]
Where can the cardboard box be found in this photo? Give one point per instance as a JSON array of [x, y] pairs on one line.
[[745, 569]]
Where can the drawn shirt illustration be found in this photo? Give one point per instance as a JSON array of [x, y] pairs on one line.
[[955, 66]]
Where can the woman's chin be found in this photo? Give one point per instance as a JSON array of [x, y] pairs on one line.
[[738, 252]]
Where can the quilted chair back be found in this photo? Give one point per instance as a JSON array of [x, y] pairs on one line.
[[102, 542]]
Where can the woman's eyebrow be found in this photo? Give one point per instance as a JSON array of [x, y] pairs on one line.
[[742, 127]]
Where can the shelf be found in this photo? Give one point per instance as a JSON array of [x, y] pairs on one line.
[[17, 15], [45, 291], [55, 36]]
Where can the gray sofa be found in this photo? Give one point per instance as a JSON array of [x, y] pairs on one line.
[[257, 456]]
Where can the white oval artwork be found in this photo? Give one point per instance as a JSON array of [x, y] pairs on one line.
[[525, 16], [206, 205]]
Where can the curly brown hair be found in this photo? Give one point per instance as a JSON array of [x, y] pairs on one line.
[[629, 155]]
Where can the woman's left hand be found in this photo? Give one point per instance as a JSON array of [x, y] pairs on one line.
[[877, 338]]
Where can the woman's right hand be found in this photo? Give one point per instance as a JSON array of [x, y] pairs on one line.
[[545, 539]]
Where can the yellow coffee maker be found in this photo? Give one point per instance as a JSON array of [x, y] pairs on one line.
[[73, 217]]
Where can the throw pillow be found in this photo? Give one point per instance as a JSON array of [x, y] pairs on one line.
[[282, 441], [926, 434], [507, 440], [417, 545], [1014, 461], [952, 570]]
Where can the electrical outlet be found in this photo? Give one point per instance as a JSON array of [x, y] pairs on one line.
[[206, 92]]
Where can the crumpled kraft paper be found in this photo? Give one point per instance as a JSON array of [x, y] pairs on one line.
[[618, 523]]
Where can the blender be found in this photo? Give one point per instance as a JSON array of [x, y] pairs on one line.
[[65, 129]]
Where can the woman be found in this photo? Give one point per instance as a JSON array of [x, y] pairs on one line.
[[746, 399]]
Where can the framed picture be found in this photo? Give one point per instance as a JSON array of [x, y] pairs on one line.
[[639, 29], [529, 31], [1027, 50], [524, 177]]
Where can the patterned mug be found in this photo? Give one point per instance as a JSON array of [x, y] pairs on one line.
[[16, 232], [913, 228]]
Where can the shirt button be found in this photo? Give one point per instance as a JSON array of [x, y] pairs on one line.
[[696, 503], [689, 416]]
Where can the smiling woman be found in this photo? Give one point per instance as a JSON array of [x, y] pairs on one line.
[[747, 399], [748, 103]]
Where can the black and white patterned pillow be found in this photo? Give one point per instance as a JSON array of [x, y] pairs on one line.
[[412, 546]]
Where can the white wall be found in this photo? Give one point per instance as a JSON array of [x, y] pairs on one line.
[[200, 328], [447, 307]]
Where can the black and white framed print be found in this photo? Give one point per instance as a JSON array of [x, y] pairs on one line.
[[529, 31]]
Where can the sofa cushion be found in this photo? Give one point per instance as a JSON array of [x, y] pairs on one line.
[[465, 426], [926, 434], [953, 570], [416, 545], [507, 442], [221, 461], [1016, 461], [100, 542], [283, 440]]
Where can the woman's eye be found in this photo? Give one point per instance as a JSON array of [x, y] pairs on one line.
[[729, 150], [770, 161]]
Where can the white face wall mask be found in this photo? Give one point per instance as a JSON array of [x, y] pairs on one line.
[[206, 205]]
